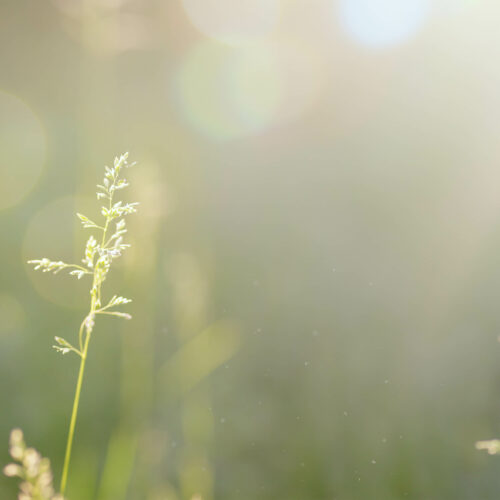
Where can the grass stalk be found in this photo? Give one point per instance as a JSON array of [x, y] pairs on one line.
[[98, 259], [74, 414]]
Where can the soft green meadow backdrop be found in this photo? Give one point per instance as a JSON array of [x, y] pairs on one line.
[[315, 265]]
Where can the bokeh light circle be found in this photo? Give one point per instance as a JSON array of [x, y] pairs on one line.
[[22, 150], [227, 93], [234, 22], [382, 23], [56, 233]]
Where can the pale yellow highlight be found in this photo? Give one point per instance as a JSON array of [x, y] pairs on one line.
[[199, 357]]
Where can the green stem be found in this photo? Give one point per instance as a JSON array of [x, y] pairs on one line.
[[96, 297], [74, 414]]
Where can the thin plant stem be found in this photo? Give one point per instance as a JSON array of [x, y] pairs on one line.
[[98, 260], [96, 294], [74, 414]]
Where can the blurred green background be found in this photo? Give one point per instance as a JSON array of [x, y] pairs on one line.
[[315, 265]]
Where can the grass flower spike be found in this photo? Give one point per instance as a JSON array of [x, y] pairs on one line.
[[32, 468], [102, 248], [492, 446]]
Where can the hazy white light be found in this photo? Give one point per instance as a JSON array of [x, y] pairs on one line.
[[447, 7], [302, 72], [382, 23], [233, 21], [22, 150]]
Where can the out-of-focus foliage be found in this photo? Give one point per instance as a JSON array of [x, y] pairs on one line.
[[33, 470], [314, 269]]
